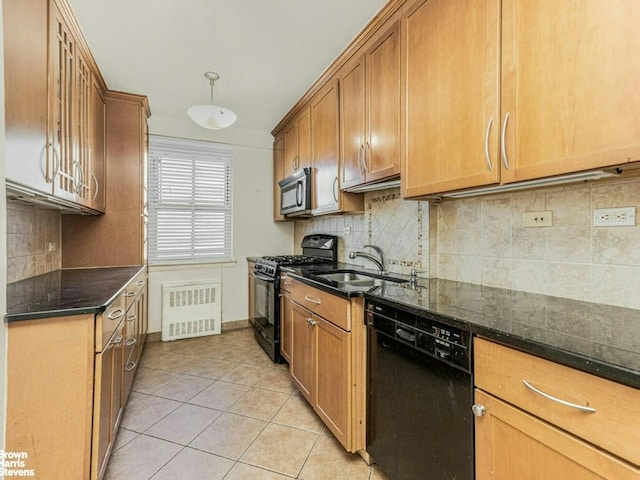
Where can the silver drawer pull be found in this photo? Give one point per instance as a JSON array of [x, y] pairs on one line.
[[582, 408], [132, 318], [130, 294], [140, 283], [287, 283], [130, 366], [130, 342], [116, 314], [311, 322], [312, 300], [116, 341]]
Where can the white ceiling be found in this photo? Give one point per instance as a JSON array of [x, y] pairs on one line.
[[267, 52]]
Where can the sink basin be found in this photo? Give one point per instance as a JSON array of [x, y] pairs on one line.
[[353, 278]]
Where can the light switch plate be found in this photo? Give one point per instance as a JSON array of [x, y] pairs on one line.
[[347, 231], [614, 217], [538, 219]]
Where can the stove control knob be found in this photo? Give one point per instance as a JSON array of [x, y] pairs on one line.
[[479, 410]]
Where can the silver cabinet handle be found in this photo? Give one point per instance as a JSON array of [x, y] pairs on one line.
[[296, 162], [130, 294], [116, 341], [487, 157], [335, 190], [582, 408], [116, 314], [479, 410], [95, 181], [140, 283], [130, 342], [361, 154], [311, 322], [132, 318], [312, 300], [287, 283], [503, 141], [366, 168], [56, 163], [130, 366]]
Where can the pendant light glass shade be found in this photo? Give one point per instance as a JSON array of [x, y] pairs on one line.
[[211, 116]]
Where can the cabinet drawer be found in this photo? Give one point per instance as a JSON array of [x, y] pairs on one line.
[[614, 426], [331, 307], [134, 288], [285, 282], [107, 323]]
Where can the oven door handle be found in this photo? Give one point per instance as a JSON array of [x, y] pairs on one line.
[[264, 277]]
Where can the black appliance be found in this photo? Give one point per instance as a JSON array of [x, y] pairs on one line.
[[265, 317], [295, 194], [419, 396]]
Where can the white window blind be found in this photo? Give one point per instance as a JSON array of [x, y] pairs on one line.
[[189, 200]]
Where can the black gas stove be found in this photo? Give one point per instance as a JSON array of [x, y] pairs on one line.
[[265, 317]]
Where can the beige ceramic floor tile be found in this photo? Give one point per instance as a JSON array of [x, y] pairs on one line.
[[229, 435], [220, 395], [246, 374], [280, 449], [123, 437], [238, 354], [183, 387], [259, 358], [298, 413], [148, 380], [259, 403], [192, 464], [242, 471], [329, 461], [213, 368], [140, 458], [184, 424], [278, 379], [142, 411]]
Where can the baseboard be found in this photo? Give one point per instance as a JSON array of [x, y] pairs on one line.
[[226, 326]]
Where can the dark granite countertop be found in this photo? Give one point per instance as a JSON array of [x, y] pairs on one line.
[[66, 292], [600, 339]]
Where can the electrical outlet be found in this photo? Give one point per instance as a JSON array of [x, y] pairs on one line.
[[538, 219], [347, 231], [52, 247], [614, 217]]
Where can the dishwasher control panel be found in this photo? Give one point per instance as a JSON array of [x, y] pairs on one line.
[[446, 343]]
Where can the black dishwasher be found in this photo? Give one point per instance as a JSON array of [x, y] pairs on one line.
[[419, 396]]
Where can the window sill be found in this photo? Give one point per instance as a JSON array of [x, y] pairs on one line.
[[172, 266]]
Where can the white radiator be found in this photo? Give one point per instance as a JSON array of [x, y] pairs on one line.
[[191, 309]]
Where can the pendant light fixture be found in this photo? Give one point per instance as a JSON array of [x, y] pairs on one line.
[[211, 116]]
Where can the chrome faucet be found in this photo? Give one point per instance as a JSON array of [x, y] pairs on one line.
[[379, 261]]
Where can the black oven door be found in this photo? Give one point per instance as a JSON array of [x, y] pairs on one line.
[[264, 306]]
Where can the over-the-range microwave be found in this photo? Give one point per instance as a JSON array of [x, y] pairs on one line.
[[295, 194]]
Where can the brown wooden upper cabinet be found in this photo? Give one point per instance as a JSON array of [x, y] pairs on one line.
[[297, 143], [370, 109], [325, 152], [278, 174], [49, 79], [513, 90]]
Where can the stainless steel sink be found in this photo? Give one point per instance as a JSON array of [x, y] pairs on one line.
[[353, 278]]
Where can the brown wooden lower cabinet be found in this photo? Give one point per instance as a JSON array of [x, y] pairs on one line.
[[327, 361], [528, 436], [67, 383]]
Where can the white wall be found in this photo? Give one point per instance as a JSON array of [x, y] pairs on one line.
[[254, 232], [3, 252]]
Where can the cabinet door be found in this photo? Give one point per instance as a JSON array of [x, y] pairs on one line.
[[451, 98], [130, 350], [83, 86], [303, 351], [352, 123], [26, 93], [382, 150], [286, 326], [108, 401], [513, 444], [333, 379], [278, 174], [62, 60], [570, 85], [97, 177], [303, 122], [325, 148]]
